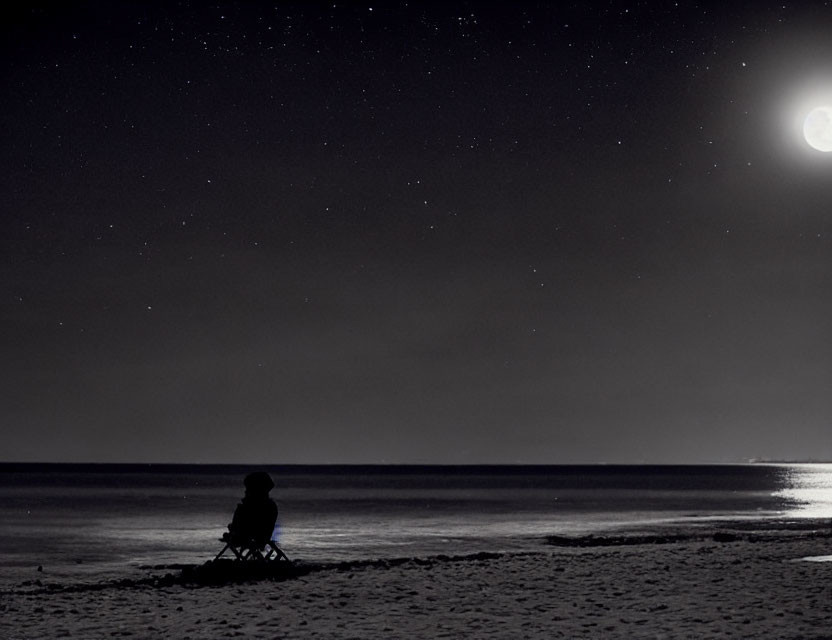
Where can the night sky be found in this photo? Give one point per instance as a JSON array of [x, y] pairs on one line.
[[415, 232]]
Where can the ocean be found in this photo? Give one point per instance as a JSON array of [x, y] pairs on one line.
[[77, 521]]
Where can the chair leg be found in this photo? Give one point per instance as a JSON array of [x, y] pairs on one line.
[[240, 555], [277, 551], [255, 554], [269, 553], [224, 549]]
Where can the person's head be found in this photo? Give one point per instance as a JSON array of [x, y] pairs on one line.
[[258, 483]]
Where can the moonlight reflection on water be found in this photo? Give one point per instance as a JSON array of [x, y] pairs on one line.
[[808, 490]]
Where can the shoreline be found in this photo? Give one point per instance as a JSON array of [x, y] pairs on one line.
[[715, 583], [751, 530]]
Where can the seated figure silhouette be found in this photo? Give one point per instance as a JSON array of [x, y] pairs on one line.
[[255, 516], [249, 534]]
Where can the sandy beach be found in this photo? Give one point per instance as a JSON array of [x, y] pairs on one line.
[[715, 584]]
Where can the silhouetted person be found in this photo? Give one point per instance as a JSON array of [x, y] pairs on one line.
[[255, 516]]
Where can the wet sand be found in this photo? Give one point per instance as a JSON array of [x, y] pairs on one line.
[[735, 584]]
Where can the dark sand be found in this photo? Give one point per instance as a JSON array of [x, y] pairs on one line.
[[726, 584]]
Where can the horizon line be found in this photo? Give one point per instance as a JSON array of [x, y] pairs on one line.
[[6, 465]]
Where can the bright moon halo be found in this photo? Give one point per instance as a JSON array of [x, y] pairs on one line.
[[817, 128]]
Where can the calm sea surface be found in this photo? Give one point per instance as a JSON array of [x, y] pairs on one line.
[[80, 520]]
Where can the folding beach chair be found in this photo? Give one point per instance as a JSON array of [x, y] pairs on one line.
[[250, 534], [251, 550]]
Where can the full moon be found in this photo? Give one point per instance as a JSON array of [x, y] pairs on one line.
[[817, 128]]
